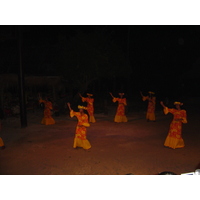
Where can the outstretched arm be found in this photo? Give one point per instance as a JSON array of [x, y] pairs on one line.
[[69, 106], [162, 104], [111, 95]]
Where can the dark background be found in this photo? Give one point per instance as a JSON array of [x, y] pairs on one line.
[[100, 59]]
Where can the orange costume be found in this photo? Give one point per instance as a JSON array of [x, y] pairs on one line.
[[80, 136], [47, 119], [174, 138], [90, 108], [120, 114], [1, 143], [151, 107]]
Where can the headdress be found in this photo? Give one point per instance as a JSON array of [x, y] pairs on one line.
[[150, 92], [89, 94], [82, 107], [121, 93], [178, 103]]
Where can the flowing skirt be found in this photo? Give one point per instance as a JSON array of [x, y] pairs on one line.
[[174, 139], [150, 116], [47, 119], [91, 114], [120, 114], [80, 139], [92, 119]]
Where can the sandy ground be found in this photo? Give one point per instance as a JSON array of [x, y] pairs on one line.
[[134, 147]]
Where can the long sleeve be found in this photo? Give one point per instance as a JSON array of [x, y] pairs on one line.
[[41, 101], [144, 98], [84, 99], [125, 103], [166, 110], [72, 113], [115, 99], [184, 117]]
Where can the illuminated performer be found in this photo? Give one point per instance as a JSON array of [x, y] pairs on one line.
[[150, 116], [90, 106], [80, 139], [120, 114], [2, 146], [47, 119], [174, 139]]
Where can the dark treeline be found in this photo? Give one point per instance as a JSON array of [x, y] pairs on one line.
[[101, 59]]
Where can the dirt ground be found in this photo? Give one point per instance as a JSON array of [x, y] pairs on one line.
[[117, 148]]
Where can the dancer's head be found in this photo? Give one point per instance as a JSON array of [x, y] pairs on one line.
[[89, 95], [81, 109], [178, 105], [151, 94], [121, 94]]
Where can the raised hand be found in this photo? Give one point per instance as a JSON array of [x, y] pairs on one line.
[[111, 94], [69, 106], [162, 104]]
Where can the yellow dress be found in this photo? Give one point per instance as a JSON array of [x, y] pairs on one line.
[[151, 107], [47, 119], [80, 139], [174, 139], [120, 114], [90, 108]]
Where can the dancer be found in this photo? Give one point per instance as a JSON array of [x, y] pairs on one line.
[[80, 139], [174, 139], [47, 119], [120, 114], [90, 106], [150, 116], [2, 146]]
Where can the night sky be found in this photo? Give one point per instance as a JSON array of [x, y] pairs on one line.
[[159, 56]]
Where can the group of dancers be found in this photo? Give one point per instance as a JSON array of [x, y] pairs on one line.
[[174, 139]]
